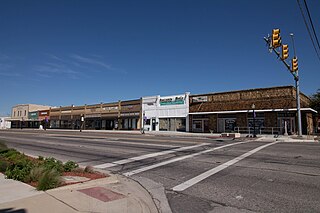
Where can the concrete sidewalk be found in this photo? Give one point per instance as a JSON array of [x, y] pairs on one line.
[[111, 194], [282, 138]]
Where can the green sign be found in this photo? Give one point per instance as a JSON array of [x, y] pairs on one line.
[[33, 115], [172, 101]]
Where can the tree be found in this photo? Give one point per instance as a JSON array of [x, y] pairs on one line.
[[315, 104], [315, 101]]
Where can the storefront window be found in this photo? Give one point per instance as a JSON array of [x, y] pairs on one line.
[[197, 126], [259, 122], [172, 124], [230, 124]]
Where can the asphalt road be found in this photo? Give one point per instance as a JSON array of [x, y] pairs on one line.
[[199, 174]]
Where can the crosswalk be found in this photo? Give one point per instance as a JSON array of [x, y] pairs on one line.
[[195, 153], [142, 157]]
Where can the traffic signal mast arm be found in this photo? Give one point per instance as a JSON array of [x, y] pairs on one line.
[[273, 42], [279, 56]]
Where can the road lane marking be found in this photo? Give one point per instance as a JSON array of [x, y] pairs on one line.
[[143, 169], [118, 141], [197, 179], [142, 157], [135, 143]]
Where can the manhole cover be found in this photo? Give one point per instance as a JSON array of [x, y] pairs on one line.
[[102, 194]]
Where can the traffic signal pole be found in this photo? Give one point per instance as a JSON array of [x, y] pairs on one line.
[[298, 105], [298, 91], [296, 79]]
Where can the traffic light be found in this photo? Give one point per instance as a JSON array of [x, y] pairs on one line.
[[285, 51], [294, 64], [276, 39]]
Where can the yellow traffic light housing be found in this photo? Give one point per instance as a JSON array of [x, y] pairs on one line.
[[276, 39], [285, 51], [294, 64]]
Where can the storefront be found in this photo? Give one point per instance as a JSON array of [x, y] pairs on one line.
[[109, 116], [168, 113], [33, 120], [103, 116], [130, 114], [265, 111], [54, 118]]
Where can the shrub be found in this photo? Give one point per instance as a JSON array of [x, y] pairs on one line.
[[88, 169], [40, 158], [35, 174], [51, 163], [49, 180], [17, 157], [70, 166], [19, 171], [9, 153], [4, 164]]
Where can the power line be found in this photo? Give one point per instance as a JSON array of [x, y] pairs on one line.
[[305, 22], [314, 32]]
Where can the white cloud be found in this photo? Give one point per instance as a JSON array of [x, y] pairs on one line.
[[52, 69], [91, 61]]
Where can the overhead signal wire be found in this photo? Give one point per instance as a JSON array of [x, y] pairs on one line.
[[314, 32], [305, 22]]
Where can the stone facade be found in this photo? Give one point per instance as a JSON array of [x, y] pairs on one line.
[[233, 111], [265, 98]]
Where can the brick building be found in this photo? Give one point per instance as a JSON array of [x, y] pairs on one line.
[[233, 111], [108, 116]]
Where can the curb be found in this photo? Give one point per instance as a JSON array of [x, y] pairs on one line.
[[156, 191]]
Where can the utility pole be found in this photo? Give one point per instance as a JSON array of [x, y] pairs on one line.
[[273, 42]]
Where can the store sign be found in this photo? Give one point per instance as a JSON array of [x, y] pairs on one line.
[[110, 108], [64, 112], [175, 100], [43, 113], [93, 116], [130, 114], [199, 99], [127, 107]]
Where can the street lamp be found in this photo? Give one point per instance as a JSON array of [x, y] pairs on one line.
[[253, 106], [143, 122]]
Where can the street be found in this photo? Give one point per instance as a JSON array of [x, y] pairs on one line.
[[199, 174]]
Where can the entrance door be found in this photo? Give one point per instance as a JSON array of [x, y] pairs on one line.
[[290, 122], [220, 125], [200, 125], [153, 126]]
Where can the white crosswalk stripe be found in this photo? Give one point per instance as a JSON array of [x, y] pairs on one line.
[[151, 155], [197, 179], [143, 169]]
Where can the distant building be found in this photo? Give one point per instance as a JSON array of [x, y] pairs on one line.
[[5, 123], [121, 115], [264, 110], [26, 115]]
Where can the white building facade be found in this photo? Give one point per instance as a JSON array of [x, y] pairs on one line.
[[167, 113], [5, 123]]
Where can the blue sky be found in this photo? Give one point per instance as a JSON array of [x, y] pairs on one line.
[[85, 52]]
